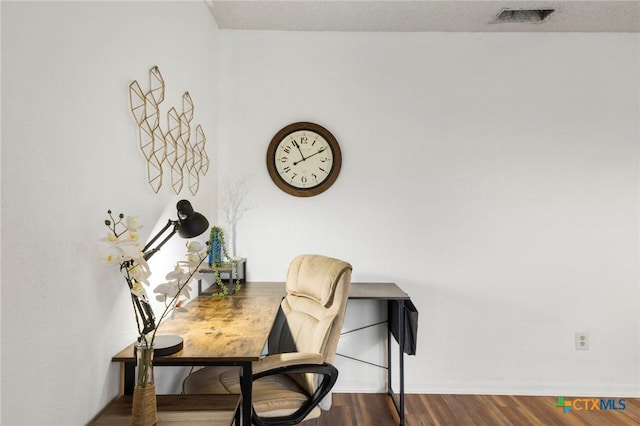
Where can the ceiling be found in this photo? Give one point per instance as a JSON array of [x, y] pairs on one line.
[[423, 15]]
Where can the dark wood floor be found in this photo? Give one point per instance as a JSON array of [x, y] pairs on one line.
[[461, 410]]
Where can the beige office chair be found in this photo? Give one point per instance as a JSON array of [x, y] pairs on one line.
[[292, 383]]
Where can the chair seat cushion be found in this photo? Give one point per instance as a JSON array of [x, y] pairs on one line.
[[272, 396], [208, 380]]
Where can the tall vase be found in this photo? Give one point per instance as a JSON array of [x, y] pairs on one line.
[[232, 240], [144, 409], [215, 251]]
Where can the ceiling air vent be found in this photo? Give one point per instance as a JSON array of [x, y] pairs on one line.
[[530, 16]]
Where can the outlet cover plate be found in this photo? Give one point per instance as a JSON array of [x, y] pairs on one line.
[[582, 341]]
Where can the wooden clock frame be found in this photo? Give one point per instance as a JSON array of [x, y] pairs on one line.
[[335, 166]]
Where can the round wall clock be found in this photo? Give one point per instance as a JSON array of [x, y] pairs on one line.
[[304, 159]]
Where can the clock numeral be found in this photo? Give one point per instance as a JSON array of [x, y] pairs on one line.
[[322, 170], [287, 149], [314, 176], [294, 176], [304, 139], [284, 159], [303, 179], [286, 169]]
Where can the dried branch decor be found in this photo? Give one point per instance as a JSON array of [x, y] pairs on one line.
[[174, 146]]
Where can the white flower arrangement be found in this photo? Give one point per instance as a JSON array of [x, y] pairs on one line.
[[125, 251]]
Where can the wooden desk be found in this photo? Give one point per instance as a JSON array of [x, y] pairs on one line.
[[195, 410], [378, 291], [234, 331], [216, 331]]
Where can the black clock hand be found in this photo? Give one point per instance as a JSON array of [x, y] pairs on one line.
[[295, 163], [316, 153], [301, 154]]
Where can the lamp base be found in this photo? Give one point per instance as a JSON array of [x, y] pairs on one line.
[[167, 345]]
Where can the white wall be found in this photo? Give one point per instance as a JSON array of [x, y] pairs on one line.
[[494, 177], [69, 153]]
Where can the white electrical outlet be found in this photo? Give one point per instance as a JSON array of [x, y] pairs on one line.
[[582, 341]]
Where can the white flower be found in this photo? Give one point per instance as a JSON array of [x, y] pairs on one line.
[[132, 223], [194, 247], [172, 289], [140, 272], [193, 260], [166, 291], [139, 291], [178, 274], [131, 250], [186, 291], [178, 307], [111, 238], [114, 256]]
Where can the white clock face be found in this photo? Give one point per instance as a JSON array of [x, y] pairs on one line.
[[303, 159]]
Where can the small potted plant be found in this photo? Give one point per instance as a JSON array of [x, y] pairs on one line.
[[218, 252]]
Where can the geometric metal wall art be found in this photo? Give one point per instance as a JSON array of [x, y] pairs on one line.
[[176, 147]]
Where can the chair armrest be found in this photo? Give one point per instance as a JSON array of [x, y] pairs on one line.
[[329, 375], [286, 359]]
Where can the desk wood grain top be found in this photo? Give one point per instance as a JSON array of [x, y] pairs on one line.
[[357, 290], [236, 328], [218, 329]]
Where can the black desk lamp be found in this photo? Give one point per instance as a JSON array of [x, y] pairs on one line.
[[190, 224]]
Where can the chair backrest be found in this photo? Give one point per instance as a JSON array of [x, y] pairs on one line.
[[314, 308]]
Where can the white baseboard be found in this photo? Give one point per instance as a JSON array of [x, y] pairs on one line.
[[360, 387]]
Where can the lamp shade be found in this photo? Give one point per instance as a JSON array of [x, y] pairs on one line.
[[190, 223]]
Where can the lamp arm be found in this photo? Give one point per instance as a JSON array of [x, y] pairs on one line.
[[146, 313], [144, 309], [147, 252]]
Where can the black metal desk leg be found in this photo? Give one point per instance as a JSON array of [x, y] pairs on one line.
[[389, 360], [398, 402], [246, 385], [129, 377], [401, 344]]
